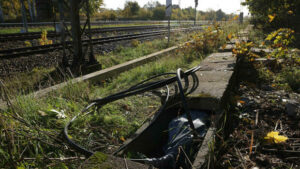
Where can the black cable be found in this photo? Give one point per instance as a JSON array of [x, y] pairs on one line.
[[136, 89], [184, 102]]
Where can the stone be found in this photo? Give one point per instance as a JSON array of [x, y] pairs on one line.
[[292, 107]]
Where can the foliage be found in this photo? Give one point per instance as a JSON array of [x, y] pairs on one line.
[[131, 9], [279, 41], [107, 15], [292, 77], [44, 40], [11, 8], [242, 49], [135, 42], [206, 41], [282, 37], [156, 11], [27, 44], [271, 15], [95, 6]]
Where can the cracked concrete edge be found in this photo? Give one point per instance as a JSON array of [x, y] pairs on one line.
[[205, 148]]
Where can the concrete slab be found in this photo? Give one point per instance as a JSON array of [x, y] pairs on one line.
[[228, 48], [214, 78], [259, 50], [211, 89], [217, 57]]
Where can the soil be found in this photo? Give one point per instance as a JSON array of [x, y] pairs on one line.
[[262, 108]]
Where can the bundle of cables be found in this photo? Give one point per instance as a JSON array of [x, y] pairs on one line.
[[141, 87]]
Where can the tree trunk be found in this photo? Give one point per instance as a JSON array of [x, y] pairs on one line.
[[78, 59], [92, 59], [1, 14]]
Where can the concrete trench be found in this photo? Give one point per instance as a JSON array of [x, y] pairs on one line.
[[216, 80]]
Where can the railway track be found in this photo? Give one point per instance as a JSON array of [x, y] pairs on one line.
[[27, 51], [51, 34], [39, 24]]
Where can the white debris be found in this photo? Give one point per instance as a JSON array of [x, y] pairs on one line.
[[59, 114]]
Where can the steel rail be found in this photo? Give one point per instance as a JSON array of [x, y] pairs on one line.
[[37, 24], [26, 51], [36, 35]]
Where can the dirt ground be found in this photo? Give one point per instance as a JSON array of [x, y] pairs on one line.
[[261, 108]]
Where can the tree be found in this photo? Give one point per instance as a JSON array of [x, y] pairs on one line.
[[285, 13], [159, 13], [145, 14], [210, 15], [95, 6], [271, 15], [220, 15], [152, 4], [107, 15], [131, 9], [11, 8]]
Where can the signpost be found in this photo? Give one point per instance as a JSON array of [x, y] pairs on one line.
[[168, 15], [241, 18]]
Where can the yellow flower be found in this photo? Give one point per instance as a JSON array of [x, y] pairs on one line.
[[273, 137], [271, 17], [28, 44], [290, 12]]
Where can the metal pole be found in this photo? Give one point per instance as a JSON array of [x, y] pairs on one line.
[[1, 14], [195, 15], [196, 4], [92, 58], [169, 27], [30, 10], [241, 18], [179, 12], [168, 14], [76, 35], [34, 10], [24, 16]]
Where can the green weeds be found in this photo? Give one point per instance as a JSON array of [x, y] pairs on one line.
[[31, 128]]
